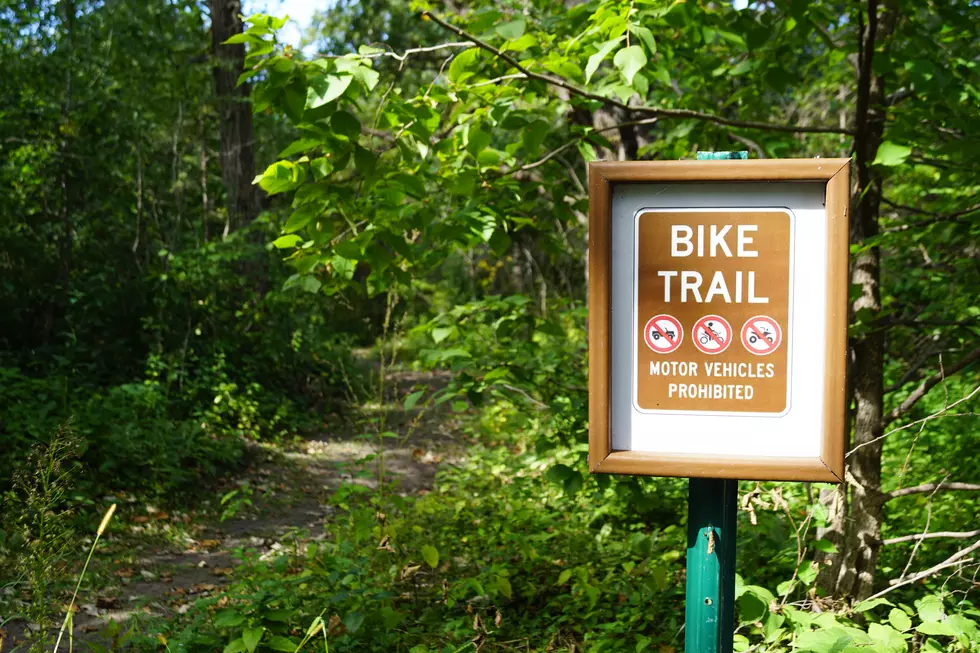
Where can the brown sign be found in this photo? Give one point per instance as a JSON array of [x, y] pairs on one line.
[[712, 310]]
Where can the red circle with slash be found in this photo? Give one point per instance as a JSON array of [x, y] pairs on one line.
[[663, 333], [712, 334], [761, 335]]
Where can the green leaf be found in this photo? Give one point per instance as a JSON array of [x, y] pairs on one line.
[[824, 546], [297, 146], [441, 333], [279, 177], [284, 242], [280, 643], [353, 621], [558, 473], [463, 64], [891, 154], [343, 267], [326, 88], [899, 620], [251, 636], [412, 399], [300, 218], [503, 586], [599, 56], [513, 29], [533, 136], [936, 628], [630, 61], [235, 646], [587, 151], [229, 619], [431, 555], [564, 576], [646, 36], [864, 606], [344, 122]]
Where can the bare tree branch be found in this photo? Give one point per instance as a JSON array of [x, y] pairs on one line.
[[654, 111], [941, 413], [929, 536], [951, 217], [927, 385], [555, 152], [931, 487], [404, 55], [955, 559]]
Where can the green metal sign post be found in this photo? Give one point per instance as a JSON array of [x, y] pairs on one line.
[[712, 505], [709, 616]]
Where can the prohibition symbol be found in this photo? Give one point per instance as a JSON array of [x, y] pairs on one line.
[[712, 334], [761, 335], [663, 333]]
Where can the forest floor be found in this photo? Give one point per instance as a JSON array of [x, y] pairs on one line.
[[154, 563]]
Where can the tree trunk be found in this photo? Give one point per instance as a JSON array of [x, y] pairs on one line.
[[856, 523], [235, 114]]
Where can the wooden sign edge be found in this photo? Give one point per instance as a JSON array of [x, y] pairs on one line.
[[829, 465]]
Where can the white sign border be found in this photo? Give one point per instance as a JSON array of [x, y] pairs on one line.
[[798, 433], [636, 301]]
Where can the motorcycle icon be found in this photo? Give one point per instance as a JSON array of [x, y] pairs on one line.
[[705, 338]]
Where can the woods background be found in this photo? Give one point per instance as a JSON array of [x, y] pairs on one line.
[[212, 242]]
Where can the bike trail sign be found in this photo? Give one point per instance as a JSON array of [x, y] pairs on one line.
[[701, 272]]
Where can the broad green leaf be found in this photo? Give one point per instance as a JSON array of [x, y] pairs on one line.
[[343, 267], [463, 65], [283, 242], [343, 122], [512, 29], [891, 154], [431, 555], [251, 637], [864, 606], [599, 56], [936, 628], [353, 621], [630, 61], [899, 620], [283, 644], [324, 89], [646, 36], [412, 399], [503, 586], [587, 151], [441, 333], [301, 145], [558, 473], [300, 218], [229, 619], [235, 646], [824, 546]]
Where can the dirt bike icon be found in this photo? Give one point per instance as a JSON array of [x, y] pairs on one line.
[[753, 338], [705, 338]]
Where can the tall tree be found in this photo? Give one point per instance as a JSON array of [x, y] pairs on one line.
[[235, 113]]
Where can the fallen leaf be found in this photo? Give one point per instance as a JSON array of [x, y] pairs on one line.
[[222, 571]]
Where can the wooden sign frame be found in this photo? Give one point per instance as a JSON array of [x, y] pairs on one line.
[[603, 177]]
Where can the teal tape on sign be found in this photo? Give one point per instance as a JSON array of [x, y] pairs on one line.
[[718, 156]]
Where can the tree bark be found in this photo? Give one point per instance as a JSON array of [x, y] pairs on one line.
[[856, 521], [235, 114]]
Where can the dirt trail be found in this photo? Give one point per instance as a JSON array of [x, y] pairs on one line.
[[168, 561]]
